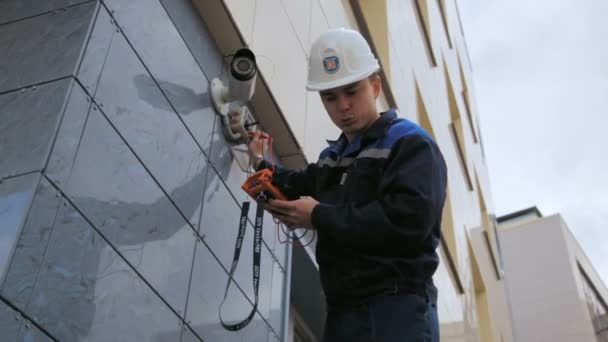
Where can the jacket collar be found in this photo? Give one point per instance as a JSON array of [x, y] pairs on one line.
[[377, 130]]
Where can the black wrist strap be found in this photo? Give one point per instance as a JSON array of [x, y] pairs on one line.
[[257, 253]]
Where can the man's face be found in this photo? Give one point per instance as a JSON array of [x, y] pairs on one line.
[[353, 107]]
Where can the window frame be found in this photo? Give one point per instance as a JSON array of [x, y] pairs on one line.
[[422, 19]]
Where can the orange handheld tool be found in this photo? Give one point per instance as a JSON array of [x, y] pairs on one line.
[[260, 183]]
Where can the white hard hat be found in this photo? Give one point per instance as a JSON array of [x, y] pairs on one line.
[[339, 57]]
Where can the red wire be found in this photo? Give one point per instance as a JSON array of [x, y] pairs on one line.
[[296, 243], [288, 240], [271, 154]]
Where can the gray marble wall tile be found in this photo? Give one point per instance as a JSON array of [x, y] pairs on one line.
[[63, 272], [10, 322], [28, 122], [206, 293], [15, 198], [244, 275], [11, 10], [220, 221], [272, 337], [160, 46], [43, 48], [228, 161], [188, 335], [33, 240], [96, 51], [230, 171], [138, 110], [30, 333], [270, 233], [68, 137], [281, 253], [14, 327], [86, 292], [114, 191], [276, 302], [281, 250], [231, 161], [186, 19]]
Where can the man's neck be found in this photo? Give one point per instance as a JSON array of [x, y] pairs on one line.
[[351, 136]]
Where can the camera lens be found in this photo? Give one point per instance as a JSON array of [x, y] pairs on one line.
[[242, 66]]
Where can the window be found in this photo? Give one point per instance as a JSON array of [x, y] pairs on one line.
[[465, 99], [423, 115], [598, 309], [464, 40], [459, 21], [451, 266], [422, 14], [441, 4], [456, 128], [501, 264], [483, 151], [482, 308], [490, 232], [371, 17], [463, 164], [448, 234], [486, 238]]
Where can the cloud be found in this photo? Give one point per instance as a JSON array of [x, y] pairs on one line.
[[541, 77]]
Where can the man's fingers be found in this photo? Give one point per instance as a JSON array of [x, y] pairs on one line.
[[286, 220], [291, 225], [275, 210], [284, 207], [280, 204]]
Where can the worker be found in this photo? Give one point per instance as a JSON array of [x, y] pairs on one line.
[[375, 198]]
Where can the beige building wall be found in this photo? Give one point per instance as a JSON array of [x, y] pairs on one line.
[[427, 73], [546, 271], [491, 290]]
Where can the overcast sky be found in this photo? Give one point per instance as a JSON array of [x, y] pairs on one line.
[[540, 71]]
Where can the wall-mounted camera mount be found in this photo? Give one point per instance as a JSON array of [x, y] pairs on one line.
[[230, 96]]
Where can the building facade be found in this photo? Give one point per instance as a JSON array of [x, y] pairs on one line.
[[120, 196], [555, 293]]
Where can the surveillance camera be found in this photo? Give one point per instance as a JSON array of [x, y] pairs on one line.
[[242, 75], [230, 101], [240, 84]]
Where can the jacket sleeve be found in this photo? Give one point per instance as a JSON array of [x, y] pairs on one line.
[[293, 183], [410, 204]]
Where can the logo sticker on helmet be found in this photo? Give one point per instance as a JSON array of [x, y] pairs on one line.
[[331, 64]]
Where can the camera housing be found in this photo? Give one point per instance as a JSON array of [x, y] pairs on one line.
[[230, 94], [243, 74]]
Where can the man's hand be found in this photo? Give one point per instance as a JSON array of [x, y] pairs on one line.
[[293, 214], [257, 147]]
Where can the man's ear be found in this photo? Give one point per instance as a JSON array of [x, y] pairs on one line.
[[376, 84]]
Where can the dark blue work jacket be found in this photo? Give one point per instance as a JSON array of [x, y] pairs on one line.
[[381, 199]]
